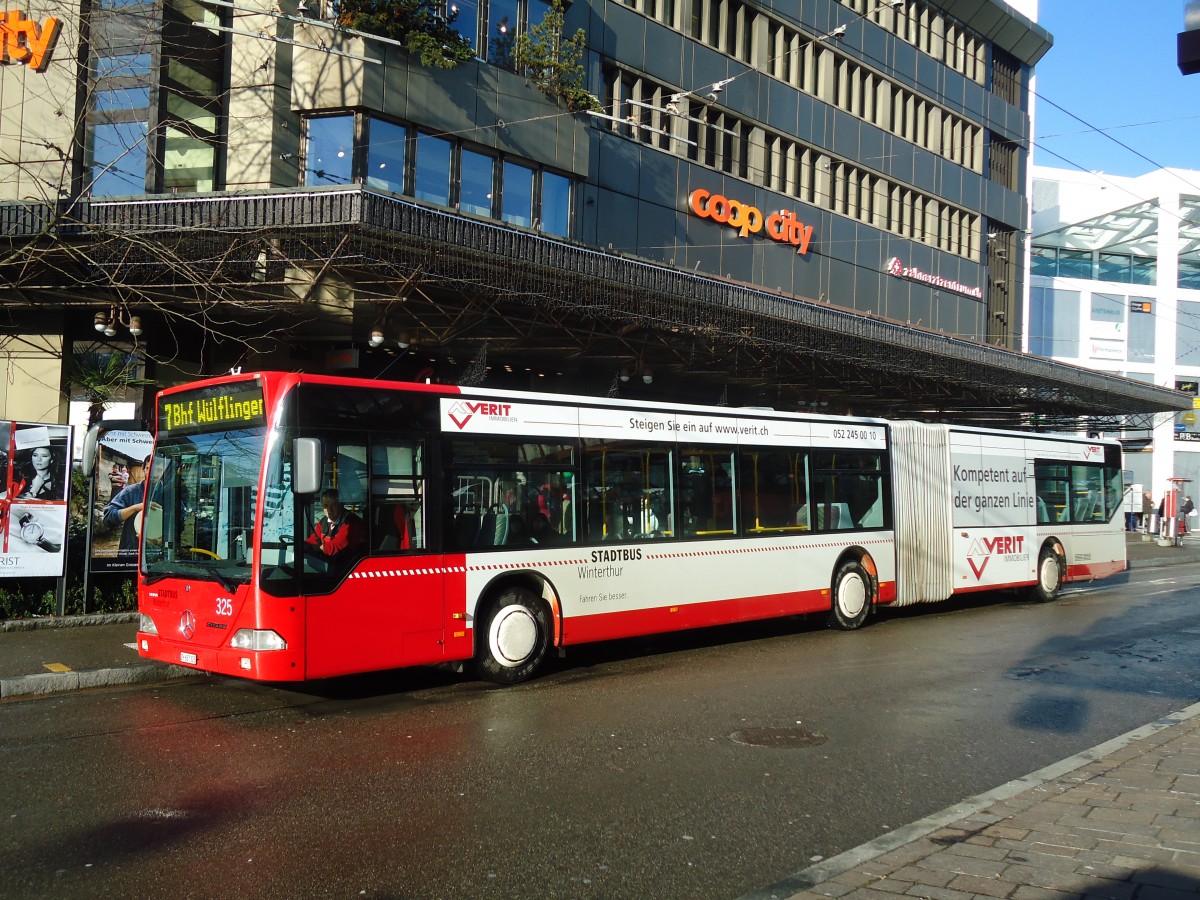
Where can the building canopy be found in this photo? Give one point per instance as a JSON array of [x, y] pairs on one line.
[[313, 267]]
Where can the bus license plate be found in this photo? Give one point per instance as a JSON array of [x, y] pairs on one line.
[[189, 658]]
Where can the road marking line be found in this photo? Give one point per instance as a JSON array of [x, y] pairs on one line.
[[56, 667]]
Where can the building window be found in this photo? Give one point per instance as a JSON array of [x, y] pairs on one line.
[[1002, 162], [330, 158], [386, 150], [119, 159], [1043, 261], [1141, 330], [1189, 274], [500, 20], [1075, 263], [1143, 270], [395, 157], [501, 32], [476, 172], [518, 195], [1054, 322], [1115, 267], [556, 204], [154, 110], [432, 172], [1006, 77], [465, 19]]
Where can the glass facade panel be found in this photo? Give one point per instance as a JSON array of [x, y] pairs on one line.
[[189, 163], [1115, 267], [122, 98], [432, 182], [1141, 330], [119, 159], [330, 157], [385, 155], [1187, 333], [465, 20], [536, 11], [1044, 261], [475, 183], [556, 204], [502, 31], [1189, 274], [1143, 270], [518, 195], [123, 66], [1075, 263], [1054, 322]]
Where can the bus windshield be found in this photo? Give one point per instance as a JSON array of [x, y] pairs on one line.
[[199, 521]]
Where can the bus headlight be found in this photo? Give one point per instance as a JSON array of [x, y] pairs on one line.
[[254, 639], [146, 624]]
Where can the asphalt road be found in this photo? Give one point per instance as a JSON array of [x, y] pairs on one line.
[[701, 765]]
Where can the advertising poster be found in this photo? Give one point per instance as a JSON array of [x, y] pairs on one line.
[[33, 508], [119, 488]]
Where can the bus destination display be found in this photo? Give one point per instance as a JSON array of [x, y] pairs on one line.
[[232, 405]]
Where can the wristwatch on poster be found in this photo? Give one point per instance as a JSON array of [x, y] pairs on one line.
[[32, 532]]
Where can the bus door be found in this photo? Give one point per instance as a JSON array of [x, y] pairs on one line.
[[377, 603]]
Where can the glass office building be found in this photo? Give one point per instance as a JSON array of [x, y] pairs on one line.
[[1115, 286]]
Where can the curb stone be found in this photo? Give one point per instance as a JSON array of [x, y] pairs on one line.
[[43, 683], [67, 621]]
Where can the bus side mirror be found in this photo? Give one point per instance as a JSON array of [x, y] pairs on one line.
[[306, 465], [90, 443]]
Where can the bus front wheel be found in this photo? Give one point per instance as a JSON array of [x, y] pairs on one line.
[[515, 638], [1049, 576], [851, 596]]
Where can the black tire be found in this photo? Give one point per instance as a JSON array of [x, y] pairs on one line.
[[1049, 576], [851, 596], [514, 639]]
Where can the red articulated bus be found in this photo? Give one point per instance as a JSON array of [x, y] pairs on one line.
[[300, 527]]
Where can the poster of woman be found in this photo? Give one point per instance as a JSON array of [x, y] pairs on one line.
[[40, 462], [34, 504]]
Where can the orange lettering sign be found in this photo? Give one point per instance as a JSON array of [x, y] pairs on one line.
[[24, 43], [782, 226]]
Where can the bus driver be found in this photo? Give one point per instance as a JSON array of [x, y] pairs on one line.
[[339, 530]]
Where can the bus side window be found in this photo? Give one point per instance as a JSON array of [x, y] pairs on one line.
[[627, 489], [397, 518], [773, 491]]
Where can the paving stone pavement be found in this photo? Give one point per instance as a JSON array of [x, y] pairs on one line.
[[1121, 821]]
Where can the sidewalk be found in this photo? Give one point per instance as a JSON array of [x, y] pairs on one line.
[[46, 656], [1121, 820]]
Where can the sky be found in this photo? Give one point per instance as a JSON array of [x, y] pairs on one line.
[[1113, 66]]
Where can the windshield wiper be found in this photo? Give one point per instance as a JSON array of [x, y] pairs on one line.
[[179, 568]]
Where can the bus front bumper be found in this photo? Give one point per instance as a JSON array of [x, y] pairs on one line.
[[260, 665]]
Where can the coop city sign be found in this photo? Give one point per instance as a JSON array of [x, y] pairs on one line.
[[24, 42], [782, 226]]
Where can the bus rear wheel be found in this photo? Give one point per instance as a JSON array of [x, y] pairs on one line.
[[515, 638], [851, 600], [1049, 576]]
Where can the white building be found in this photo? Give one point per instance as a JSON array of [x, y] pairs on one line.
[[1115, 286]]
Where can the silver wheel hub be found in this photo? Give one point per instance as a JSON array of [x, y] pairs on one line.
[[851, 596], [1049, 573], [512, 636]]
